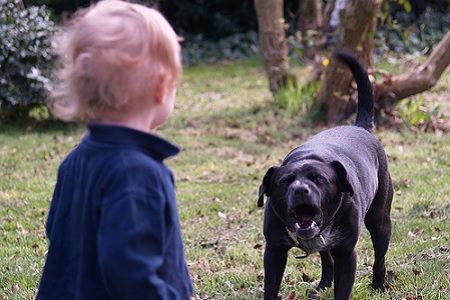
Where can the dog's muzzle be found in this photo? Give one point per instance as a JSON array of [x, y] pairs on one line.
[[304, 211]]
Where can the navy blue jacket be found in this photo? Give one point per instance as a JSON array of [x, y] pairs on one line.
[[113, 223]]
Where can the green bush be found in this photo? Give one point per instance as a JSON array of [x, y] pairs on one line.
[[300, 100], [408, 32], [26, 59], [233, 47]]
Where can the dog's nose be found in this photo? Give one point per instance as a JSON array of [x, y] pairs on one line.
[[301, 189]]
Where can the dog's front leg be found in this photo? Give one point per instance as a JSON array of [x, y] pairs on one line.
[[327, 270], [344, 274], [274, 264], [327, 273]]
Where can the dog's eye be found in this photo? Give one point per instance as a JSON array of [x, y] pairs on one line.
[[286, 180], [316, 178]]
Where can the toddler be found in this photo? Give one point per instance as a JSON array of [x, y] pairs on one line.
[[113, 223]]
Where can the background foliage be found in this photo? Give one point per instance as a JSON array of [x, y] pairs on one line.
[[417, 30], [26, 59], [214, 30]]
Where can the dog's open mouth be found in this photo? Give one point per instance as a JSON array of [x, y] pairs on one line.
[[304, 220]]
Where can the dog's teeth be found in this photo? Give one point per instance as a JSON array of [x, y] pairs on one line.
[[296, 226]]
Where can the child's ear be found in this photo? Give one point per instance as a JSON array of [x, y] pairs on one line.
[[161, 89]]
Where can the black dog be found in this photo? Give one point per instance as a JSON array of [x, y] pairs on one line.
[[322, 193]]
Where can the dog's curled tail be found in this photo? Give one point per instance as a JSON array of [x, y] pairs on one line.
[[365, 114]]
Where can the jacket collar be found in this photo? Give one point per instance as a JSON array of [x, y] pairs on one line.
[[120, 136]]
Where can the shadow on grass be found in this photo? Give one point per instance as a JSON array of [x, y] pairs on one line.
[[28, 125]]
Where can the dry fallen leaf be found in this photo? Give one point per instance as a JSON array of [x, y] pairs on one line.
[[257, 246], [426, 256], [222, 215], [415, 232], [291, 296]]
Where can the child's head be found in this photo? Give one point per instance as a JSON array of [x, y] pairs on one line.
[[114, 56]]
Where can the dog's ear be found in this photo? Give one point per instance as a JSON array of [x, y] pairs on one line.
[[265, 185], [344, 182]]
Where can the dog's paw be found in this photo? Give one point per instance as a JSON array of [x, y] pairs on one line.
[[379, 287], [311, 294]]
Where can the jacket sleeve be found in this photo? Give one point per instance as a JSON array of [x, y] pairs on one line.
[[131, 242]]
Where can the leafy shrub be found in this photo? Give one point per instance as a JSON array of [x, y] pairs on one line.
[[407, 32], [412, 114], [300, 100], [236, 46], [26, 60]]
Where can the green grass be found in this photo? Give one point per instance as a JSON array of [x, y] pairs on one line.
[[231, 133]]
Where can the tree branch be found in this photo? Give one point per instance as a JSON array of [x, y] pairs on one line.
[[420, 79]]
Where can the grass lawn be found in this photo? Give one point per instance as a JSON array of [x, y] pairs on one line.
[[230, 134]]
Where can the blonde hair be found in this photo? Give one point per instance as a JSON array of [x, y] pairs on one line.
[[113, 55]]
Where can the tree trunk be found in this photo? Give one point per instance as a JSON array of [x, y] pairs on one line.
[[355, 34], [272, 42], [327, 12], [310, 25], [421, 78]]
